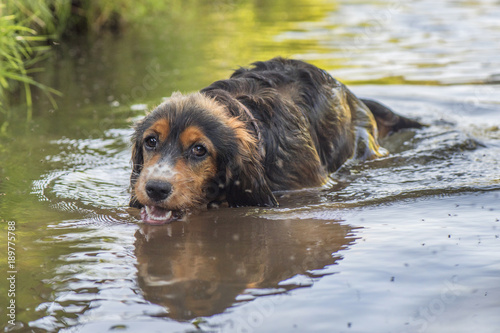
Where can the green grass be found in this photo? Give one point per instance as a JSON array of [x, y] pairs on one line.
[[27, 27], [21, 48]]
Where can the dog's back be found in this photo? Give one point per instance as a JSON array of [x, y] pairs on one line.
[[309, 123]]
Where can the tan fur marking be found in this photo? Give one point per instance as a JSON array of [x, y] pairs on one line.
[[160, 127], [191, 135], [194, 134], [189, 182]]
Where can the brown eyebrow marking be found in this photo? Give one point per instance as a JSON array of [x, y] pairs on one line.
[[194, 134], [160, 127]]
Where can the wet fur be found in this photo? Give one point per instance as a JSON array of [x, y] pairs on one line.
[[281, 125]]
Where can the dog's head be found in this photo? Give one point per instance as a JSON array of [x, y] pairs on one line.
[[190, 151]]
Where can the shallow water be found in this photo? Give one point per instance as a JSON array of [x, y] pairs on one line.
[[406, 243]]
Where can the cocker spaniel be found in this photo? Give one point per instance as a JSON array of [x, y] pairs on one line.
[[281, 125]]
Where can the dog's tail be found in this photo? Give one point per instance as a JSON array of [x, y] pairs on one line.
[[387, 121]]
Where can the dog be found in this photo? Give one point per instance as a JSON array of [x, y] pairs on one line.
[[282, 124]]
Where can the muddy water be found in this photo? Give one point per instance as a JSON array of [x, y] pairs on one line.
[[407, 243]]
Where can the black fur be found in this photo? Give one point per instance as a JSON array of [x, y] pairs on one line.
[[303, 114]]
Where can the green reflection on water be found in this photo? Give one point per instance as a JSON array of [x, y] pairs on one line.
[[185, 49]]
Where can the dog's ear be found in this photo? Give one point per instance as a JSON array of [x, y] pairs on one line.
[[247, 186], [137, 162], [246, 183], [243, 178]]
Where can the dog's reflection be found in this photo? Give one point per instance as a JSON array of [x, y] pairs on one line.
[[197, 268]]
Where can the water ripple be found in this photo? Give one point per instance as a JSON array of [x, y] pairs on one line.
[[406, 41]]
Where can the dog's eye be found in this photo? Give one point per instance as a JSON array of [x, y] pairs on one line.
[[151, 142], [198, 150]]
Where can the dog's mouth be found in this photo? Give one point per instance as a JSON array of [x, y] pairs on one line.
[[158, 215]]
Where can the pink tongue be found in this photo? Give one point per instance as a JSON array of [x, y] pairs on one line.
[[156, 215]]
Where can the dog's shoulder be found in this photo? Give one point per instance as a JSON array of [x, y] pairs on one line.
[[281, 71]]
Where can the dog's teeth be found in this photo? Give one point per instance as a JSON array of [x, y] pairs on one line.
[[165, 216], [156, 215]]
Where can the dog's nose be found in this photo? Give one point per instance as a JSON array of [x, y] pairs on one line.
[[158, 190]]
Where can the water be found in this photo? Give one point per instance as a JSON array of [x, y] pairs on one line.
[[406, 243]]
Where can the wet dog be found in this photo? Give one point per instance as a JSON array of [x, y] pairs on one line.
[[281, 125]]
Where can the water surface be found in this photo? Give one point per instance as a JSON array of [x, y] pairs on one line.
[[406, 243]]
